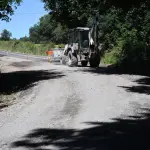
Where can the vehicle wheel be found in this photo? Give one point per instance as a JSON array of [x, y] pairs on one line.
[[95, 60], [63, 60], [72, 59], [84, 63]]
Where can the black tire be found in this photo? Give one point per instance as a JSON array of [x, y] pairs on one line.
[[95, 60], [63, 60], [72, 59], [84, 63]]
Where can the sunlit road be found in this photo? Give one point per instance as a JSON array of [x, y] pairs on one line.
[[27, 56], [60, 107]]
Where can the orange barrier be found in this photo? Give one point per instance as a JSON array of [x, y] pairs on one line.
[[50, 54]]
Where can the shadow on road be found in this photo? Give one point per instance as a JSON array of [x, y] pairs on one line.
[[142, 88], [2, 105], [21, 80], [22, 64], [109, 70], [138, 89], [144, 81], [1, 55], [121, 134], [101, 70]]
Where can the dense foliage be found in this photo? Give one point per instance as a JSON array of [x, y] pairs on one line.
[[77, 12], [127, 36], [7, 8], [48, 30]]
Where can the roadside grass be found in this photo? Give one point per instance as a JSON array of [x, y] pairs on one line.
[[110, 58], [40, 49], [27, 47]]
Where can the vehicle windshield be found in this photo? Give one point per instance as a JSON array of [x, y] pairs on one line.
[[71, 37], [84, 39]]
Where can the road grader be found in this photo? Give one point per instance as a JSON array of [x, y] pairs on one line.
[[82, 47]]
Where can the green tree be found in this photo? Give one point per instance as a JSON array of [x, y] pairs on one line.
[[34, 34], [25, 39], [5, 35], [59, 34], [48, 30], [76, 12], [7, 8]]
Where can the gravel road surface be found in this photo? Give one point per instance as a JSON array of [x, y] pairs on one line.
[[73, 109]]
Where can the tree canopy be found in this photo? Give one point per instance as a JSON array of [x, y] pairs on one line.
[[76, 12], [48, 30], [7, 8], [5, 35]]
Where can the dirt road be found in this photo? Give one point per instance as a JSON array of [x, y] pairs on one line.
[[73, 108]]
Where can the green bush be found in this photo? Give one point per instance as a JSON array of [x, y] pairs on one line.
[[112, 56], [60, 46], [125, 38]]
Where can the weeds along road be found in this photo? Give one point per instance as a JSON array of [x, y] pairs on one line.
[[73, 108]]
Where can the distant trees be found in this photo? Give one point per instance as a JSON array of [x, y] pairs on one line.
[[5, 35], [48, 30], [24, 39], [34, 34]]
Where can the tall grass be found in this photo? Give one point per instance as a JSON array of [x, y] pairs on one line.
[[27, 47]]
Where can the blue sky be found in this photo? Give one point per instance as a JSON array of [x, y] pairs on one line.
[[25, 16]]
